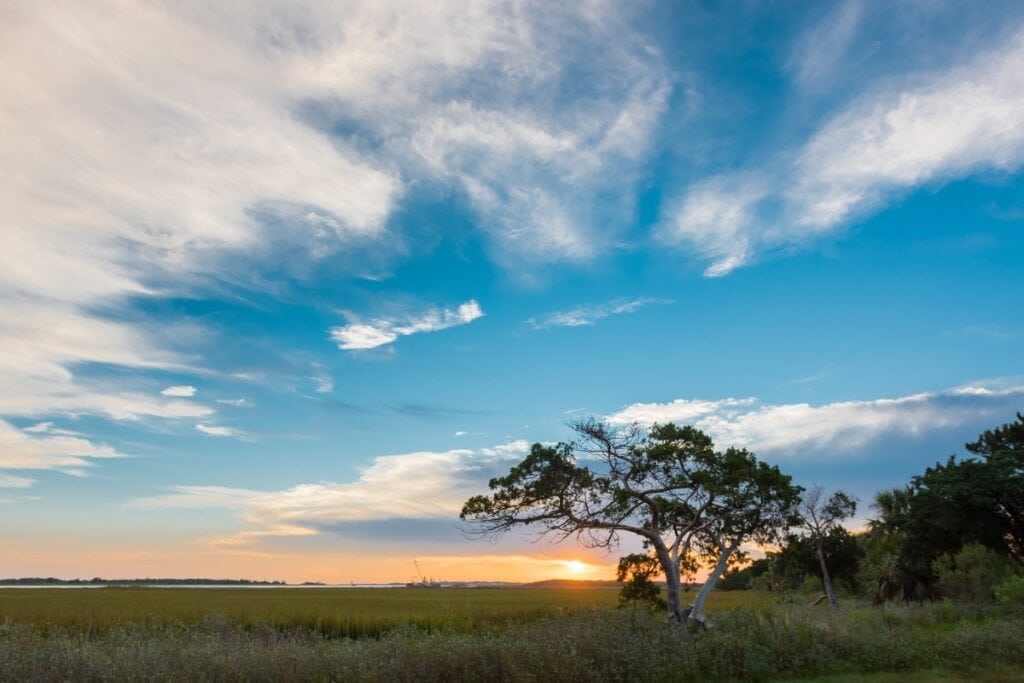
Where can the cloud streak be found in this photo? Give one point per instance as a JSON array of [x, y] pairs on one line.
[[179, 391], [420, 485], [581, 316], [360, 336], [47, 449], [794, 430]]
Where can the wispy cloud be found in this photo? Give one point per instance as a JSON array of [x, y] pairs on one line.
[[358, 335], [794, 429], [235, 402], [588, 315], [928, 128], [48, 449], [180, 391], [215, 430], [823, 50], [11, 482], [83, 234], [421, 485]]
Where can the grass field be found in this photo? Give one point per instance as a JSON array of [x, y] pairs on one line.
[[486, 634], [332, 612]]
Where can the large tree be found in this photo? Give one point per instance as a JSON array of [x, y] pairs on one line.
[[819, 517], [667, 485], [951, 505]]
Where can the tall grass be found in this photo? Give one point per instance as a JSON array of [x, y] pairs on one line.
[[586, 643], [348, 612], [345, 612]]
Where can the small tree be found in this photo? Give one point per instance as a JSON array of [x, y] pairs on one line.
[[668, 486], [819, 517], [635, 571]]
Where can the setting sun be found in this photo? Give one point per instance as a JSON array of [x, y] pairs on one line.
[[576, 567]]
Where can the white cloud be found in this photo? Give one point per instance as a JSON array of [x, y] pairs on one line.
[[236, 402], [382, 331], [11, 482], [925, 129], [472, 94], [146, 142], [951, 124], [58, 451], [419, 485], [214, 430], [324, 384], [588, 315], [680, 410], [822, 51], [718, 218], [180, 391], [142, 144], [789, 430]]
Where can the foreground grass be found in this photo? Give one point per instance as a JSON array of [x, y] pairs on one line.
[[994, 675], [588, 643], [339, 612]]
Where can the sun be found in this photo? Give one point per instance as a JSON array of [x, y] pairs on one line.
[[576, 567]]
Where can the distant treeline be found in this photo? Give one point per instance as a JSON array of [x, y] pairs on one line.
[[97, 581], [572, 583]]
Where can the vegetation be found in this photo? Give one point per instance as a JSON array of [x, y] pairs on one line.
[[820, 517], [756, 641], [954, 533], [668, 486], [331, 612]]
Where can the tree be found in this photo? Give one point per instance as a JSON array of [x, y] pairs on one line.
[[797, 559], [668, 486], [635, 571], [951, 505], [1003, 453], [819, 517]]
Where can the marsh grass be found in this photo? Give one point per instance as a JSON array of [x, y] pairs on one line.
[[578, 638]]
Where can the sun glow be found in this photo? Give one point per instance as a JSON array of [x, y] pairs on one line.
[[576, 567]]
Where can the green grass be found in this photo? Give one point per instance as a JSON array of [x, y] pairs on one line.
[[334, 612], [486, 634], [342, 612], [995, 675]]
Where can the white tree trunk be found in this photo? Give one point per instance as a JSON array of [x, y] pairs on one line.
[[673, 592], [826, 580], [697, 617]]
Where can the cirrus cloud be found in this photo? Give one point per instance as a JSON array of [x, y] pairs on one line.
[[360, 336]]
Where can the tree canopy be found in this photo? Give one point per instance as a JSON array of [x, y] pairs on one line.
[[667, 485]]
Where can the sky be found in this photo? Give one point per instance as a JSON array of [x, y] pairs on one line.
[[283, 284]]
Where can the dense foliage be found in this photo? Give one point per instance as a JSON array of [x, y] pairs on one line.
[[668, 486], [955, 531]]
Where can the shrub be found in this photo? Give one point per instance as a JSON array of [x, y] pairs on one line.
[[971, 575], [1011, 591]]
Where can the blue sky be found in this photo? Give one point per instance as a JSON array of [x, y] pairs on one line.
[[283, 284]]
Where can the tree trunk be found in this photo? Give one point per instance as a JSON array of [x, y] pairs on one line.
[[696, 617], [826, 580], [673, 592]]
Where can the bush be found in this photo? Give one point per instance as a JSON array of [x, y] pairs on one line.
[[1011, 591], [972, 574]]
